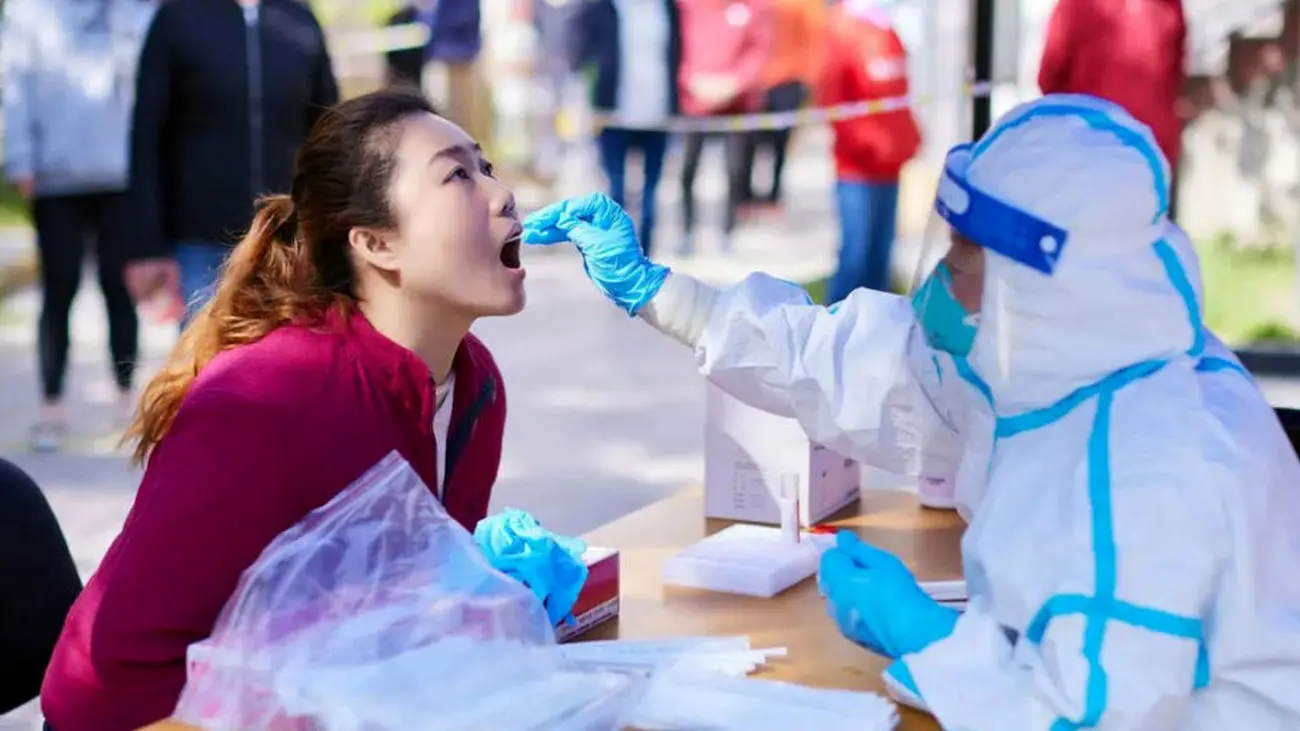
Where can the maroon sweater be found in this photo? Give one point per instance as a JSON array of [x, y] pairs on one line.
[[267, 433]]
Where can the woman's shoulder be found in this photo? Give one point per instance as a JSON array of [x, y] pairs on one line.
[[290, 366]]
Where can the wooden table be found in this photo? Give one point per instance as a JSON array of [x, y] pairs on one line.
[[927, 540]]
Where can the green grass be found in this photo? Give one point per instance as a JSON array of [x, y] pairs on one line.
[[372, 12], [817, 290], [13, 209], [1250, 294]]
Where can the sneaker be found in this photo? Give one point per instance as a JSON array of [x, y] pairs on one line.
[[47, 436]]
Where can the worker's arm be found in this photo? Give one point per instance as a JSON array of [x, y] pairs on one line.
[[841, 371], [1054, 67], [1119, 640]]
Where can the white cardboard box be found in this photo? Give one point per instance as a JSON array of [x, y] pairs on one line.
[[748, 451]]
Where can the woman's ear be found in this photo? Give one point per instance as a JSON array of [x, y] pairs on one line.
[[374, 248]]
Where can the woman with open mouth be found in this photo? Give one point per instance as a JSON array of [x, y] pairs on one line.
[[339, 332]]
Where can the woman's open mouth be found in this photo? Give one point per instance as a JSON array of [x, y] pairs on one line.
[[510, 253]]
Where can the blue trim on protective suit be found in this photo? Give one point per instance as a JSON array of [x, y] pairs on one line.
[[1183, 285], [1097, 120], [1215, 364], [1010, 426], [969, 375]]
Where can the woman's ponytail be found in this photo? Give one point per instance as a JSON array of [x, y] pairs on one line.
[[268, 280]]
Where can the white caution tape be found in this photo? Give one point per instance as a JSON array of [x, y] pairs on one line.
[[785, 120]]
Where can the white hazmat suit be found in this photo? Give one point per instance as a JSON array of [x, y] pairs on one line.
[[1133, 553]]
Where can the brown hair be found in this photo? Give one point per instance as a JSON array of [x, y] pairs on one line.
[[293, 264]]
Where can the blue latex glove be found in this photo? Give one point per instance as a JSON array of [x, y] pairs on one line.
[[876, 601], [606, 238], [517, 546]]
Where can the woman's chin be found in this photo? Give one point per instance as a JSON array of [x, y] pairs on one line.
[[511, 301]]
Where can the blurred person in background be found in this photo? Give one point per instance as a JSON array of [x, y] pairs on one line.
[[453, 55], [1130, 52], [553, 21], [634, 48], [798, 32], [405, 65], [725, 47], [227, 92], [865, 60], [69, 69], [40, 583]]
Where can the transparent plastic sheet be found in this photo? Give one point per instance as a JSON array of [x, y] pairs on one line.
[[686, 697], [378, 612]]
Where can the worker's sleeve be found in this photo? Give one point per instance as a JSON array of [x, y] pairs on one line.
[[16, 60], [1119, 641], [841, 371], [150, 125], [1054, 66]]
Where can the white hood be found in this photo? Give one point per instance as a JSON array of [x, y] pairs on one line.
[[1088, 167]]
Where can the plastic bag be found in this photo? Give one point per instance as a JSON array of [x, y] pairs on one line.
[[379, 612]]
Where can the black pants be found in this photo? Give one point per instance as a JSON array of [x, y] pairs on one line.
[[733, 144], [64, 224], [786, 97], [39, 582]]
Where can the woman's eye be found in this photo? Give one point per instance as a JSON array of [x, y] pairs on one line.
[[487, 168], [459, 173]]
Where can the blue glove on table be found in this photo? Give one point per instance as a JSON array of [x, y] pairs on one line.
[[606, 238], [876, 601], [519, 547]]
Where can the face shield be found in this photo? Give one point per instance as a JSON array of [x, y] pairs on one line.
[[947, 290], [947, 295]]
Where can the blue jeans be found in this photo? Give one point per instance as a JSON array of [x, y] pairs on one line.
[[200, 265], [868, 221], [614, 145]]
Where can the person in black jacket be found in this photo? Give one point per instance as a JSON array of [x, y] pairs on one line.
[[39, 580], [634, 48], [227, 91]]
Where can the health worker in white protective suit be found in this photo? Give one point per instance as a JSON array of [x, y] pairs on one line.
[[1133, 553]]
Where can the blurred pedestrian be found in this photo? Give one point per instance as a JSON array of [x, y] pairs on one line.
[[554, 22], [635, 50], [453, 57], [228, 90], [40, 583], [405, 65], [69, 69], [795, 61], [725, 46], [866, 61], [1130, 52]]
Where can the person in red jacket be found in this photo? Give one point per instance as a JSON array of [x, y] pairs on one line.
[[725, 46], [865, 61], [337, 334], [1130, 52]]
